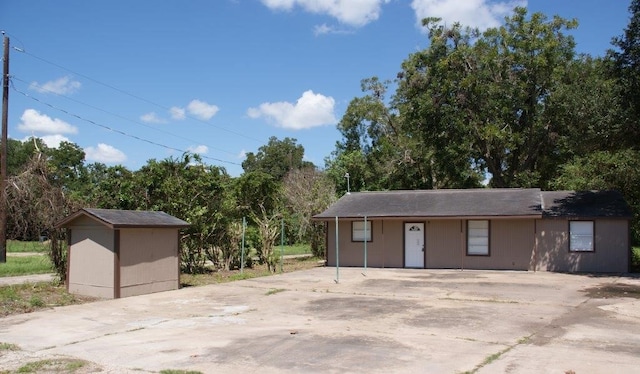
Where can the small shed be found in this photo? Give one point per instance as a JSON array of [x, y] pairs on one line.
[[119, 253]]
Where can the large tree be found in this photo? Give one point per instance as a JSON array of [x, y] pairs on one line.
[[276, 158], [483, 98], [626, 69], [378, 152]]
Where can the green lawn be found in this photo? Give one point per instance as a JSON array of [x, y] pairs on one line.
[[296, 249], [38, 264], [15, 246]]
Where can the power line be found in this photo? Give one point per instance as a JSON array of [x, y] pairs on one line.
[[124, 118], [112, 129], [132, 95]]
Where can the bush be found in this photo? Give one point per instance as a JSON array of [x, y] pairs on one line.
[[635, 260]]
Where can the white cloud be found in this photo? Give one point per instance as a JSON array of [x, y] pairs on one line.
[[152, 117], [325, 29], [311, 110], [202, 110], [33, 121], [242, 154], [482, 14], [199, 149], [60, 86], [177, 113], [350, 12], [104, 153]]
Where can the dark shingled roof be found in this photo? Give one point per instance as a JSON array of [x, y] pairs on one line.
[[485, 202], [585, 204], [114, 218]]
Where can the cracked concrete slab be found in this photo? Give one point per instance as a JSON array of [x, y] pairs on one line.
[[391, 320]]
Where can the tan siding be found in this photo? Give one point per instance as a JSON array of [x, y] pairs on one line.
[[382, 251], [91, 265], [611, 247], [148, 260], [444, 244], [394, 244], [511, 243]]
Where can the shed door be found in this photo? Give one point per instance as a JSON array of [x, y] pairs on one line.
[[414, 245]]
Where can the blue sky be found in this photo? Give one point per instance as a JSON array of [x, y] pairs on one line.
[[129, 81]]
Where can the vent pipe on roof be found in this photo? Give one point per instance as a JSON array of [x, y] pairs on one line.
[[346, 175]]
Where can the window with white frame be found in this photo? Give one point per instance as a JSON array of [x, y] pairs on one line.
[[581, 236], [358, 230], [478, 237]]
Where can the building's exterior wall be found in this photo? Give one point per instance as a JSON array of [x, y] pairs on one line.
[[444, 244], [91, 260], [149, 261], [611, 253], [385, 249], [511, 244], [515, 244]]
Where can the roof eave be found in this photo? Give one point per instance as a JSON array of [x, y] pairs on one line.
[[428, 217]]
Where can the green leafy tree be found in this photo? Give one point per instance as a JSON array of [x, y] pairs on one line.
[[479, 100], [379, 152], [308, 192], [67, 166], [606, 170], [193, 192], [19, 154], [258, 195], [276, 158], [111, 187], [626, 69]]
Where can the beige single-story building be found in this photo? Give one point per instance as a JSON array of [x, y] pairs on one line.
[[498, 229], [120, 253]]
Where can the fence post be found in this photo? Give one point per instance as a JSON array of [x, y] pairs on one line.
[[281, 244], [337, 254], [244, 226]]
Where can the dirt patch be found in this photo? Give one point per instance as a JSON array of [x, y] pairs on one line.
[[615, 290]]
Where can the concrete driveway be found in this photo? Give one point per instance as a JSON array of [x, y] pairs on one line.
[[391, 320]]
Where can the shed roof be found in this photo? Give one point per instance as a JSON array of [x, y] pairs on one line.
[[585, 204], [486, 202], [114, 218]]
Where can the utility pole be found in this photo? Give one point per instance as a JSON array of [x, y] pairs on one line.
[[3, 152]]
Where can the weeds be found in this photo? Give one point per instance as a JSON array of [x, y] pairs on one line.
[[274, 291], [8, 347], [29, 297], [53, 365]]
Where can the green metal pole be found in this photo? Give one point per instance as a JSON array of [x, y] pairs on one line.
[[281, 244], [244, 226], [365, 245], [337, 254]]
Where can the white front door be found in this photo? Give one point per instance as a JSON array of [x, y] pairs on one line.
[[414, 245]]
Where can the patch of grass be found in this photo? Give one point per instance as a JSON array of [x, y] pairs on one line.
[[53, 366], [296, 249], [274, 291], [17, 246], [30, 297], [8, 347], [171, 371], [27, 265]]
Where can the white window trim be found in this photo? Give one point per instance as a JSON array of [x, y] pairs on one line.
[[580, 233], [357, 231], [478, 234]]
